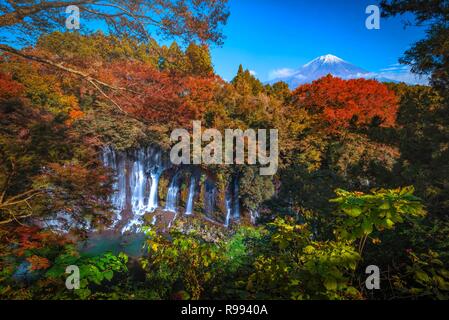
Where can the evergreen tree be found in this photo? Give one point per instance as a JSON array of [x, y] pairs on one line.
[[246, 83], [200, 59]]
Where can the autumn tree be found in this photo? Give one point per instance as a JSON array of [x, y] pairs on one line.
[[154, 91], [246, 83], [188, 20], [43, 167], [200, 60], [280, 90], [345, 103], [174, 60]]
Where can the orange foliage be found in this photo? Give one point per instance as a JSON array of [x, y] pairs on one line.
[[159, 96], [8, 87], [341, 103], [33, 238], [38, 263], [74, 114]]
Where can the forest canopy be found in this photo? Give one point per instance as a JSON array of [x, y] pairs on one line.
[[363, 174]]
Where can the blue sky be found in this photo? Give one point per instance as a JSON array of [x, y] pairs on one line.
[[269, 37], [273, 38]]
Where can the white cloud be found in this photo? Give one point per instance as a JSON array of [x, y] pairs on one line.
[[281, 73], [252, 72], [408, 77], [394, 68], [399, 73], [395, 72], [402, 73]]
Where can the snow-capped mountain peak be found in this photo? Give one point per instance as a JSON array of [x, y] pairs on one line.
[[328, 58], [322, 66]]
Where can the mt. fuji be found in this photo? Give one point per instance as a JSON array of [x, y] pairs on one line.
[[322, 66]]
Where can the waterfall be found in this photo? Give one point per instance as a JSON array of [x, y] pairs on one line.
[[254, 215], [228, 202], [235, 196], [232, 202], [153, 197], [209, 196], [116, 162], [139, 183], [62, 222], [133, 225], [189, 205], [172, 194], [153, 220], [135, 188], [136, 184], [156, 169]]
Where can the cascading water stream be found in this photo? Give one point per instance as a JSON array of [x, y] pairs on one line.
[[228, 202], [236, 200], [209, 196], [232, 202], [156, 169], [137, 177], [172, 194], [139, 182], [153, 196], [147, 167], [135, 174], [189, 205], [254, 215], [117, 163]]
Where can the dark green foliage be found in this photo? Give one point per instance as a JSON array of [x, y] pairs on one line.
[[429, 56]]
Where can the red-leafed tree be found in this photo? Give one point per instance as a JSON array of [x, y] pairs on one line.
[[141, 20], [158, 96], [8, 87], [345, 103]]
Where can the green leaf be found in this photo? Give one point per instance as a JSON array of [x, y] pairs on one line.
[[353, 211], [83, 293], [385, 206], [309, 249], [422, 276], [367, 226], [330, 284], [108, 275], [389, 223]]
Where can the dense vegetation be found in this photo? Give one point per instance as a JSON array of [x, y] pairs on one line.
[[363, 176]]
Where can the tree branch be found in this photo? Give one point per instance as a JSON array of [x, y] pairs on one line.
[[95, 82], [20, 13]]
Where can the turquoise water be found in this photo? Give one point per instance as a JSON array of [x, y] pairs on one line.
[[97, 244]]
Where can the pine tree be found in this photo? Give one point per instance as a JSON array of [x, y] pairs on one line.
[[200, 59]]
